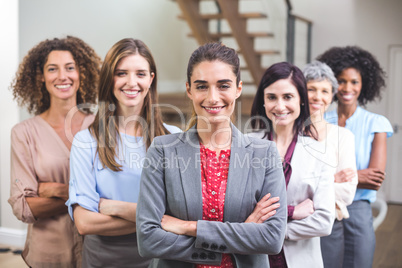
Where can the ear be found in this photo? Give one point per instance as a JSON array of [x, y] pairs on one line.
[[152, 78], [188, 90], [239, 89], [42, 78]]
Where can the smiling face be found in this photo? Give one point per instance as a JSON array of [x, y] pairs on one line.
[[132, 79], [282, 103], [213, 91], [350, 86], [60, 75], [319, 96]]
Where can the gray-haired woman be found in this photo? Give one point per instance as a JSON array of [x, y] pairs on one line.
[[337, 149]]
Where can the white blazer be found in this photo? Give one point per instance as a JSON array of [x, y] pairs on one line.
[[311, 178]]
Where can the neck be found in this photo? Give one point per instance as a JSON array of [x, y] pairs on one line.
[[215, 136], [319, 123], [59, 110], [129, 120], [346, 111]]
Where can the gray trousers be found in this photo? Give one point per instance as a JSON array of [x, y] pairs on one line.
[[352, 241], [112, 251]]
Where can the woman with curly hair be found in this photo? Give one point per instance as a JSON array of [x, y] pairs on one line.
[[360, 79], [57, 82]]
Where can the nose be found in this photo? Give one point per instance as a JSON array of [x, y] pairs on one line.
[[213, 94], [131, 80], [62, 74], [280, 105]]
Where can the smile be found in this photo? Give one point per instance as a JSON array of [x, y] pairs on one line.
[[213, 110], [131, 93], [63, 86], [281, 115], [316, 105], [347, 96]]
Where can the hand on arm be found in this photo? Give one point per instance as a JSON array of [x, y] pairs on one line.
[[121, 209], [303, 210], [373, 176], [43, 207], [345, 175], [89, 222], [53, 189], [179, 227], [264, 209]]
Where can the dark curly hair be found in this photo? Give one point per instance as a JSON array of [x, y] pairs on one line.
[[29, 89], [341, 58]]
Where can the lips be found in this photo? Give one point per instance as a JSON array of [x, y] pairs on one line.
[[130, 93], [281, 116], [346, 97], [213, 110], [316, 106], [63, 87]]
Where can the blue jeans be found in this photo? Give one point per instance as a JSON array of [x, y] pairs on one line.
[[352, 240]]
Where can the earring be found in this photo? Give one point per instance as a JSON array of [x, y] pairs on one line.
[[263, 105], [302, 104]]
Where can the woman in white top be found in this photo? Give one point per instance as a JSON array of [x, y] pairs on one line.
[[281, 113], [337, 150]]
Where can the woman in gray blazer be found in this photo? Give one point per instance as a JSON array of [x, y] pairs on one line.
[[204, 193], [281, 113]]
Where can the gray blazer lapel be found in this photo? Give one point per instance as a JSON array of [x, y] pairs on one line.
[[240, 159], [188, 154]]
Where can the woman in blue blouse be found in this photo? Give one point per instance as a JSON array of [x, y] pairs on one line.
[[105, 159], [360, 79]]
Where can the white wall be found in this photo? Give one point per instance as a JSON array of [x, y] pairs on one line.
[[9, 112]]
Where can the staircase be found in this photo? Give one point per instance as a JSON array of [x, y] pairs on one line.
[[228, 10]]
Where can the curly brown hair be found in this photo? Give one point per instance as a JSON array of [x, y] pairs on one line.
[[29, 89], [341, 58]]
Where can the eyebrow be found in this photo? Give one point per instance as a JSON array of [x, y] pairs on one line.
[[53, 64], [219, 81], [125, 70]]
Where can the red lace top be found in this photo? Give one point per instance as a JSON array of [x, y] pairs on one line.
[[214, 174]]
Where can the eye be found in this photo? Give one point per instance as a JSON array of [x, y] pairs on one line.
[[225, 86], [310, 89], [141, 74], [70, 68], [271, 97], [120, 73], [355, 82], [287, 97], [201, 87], [325, 91], [51, 69]]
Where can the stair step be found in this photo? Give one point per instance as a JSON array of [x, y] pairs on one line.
[[251, 15], [265, 52], [220, 35]]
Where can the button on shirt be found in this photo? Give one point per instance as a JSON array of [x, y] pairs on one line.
[[214, 174]]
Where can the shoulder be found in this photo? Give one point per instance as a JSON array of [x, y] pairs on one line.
[[256, 135], [168, 138], [84, 139], [376, 122], [172, 129], [341, 132], [27, 128]]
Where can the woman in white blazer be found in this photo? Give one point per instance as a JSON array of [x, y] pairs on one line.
[[199, 188], [280, 112], [337, 149]]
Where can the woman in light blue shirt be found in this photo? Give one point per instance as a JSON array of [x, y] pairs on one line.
[[360, 79], [106, 159]]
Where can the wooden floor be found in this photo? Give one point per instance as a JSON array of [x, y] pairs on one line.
[[388, 253]]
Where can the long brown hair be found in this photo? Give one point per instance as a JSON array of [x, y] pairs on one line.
[[105, 127]]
